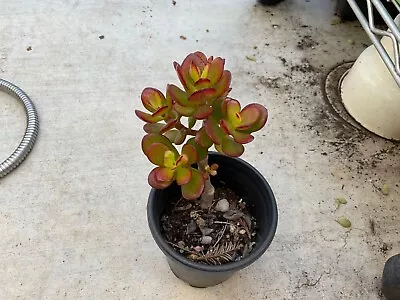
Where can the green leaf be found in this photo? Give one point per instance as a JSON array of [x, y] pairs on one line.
[[385, 189], [153, 127], [153, 181], [191, 153], [155, 153], [339, 201], [216, 69], [250, 57], [344, 222], [147, 117], [152, 138], [250, 125], [203, 112], [152, 99], [201, 151], [203, 139], [231, 148], [183, 175], [214, 131], [177, 95], [193, 189], [200, 97], [191, 122]]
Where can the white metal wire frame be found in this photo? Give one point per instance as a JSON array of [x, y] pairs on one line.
[[376, 34]]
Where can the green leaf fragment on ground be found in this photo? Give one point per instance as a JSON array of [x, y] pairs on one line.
[[339, 201], [385, 187], [344, 222], [249, 57]]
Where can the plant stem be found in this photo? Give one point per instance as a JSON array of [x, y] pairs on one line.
[[208, 194]]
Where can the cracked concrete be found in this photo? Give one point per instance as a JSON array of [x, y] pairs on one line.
[[72, 215]]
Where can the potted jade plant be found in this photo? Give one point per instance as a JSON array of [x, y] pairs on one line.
[[211, 213]]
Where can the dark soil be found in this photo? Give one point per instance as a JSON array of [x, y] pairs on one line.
[[209, 236], [306, 42]]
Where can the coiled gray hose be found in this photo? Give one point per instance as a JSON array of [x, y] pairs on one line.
[[31, 132]]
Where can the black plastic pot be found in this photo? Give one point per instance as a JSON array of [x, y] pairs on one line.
[[251, 186], [247, 183]]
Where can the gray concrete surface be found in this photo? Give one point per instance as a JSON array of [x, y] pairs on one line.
[[72, 217]]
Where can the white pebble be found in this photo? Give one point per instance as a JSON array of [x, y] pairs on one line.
[[222, 205], [206, 240]]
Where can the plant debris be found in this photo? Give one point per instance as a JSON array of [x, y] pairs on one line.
[[210, 236], [252, 58], [385, 189], [182, 37], [344, 222], [339, 201]]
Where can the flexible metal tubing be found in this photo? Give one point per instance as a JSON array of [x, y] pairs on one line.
[[31, 132]]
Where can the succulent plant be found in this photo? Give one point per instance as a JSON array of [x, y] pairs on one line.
[[224, 125]]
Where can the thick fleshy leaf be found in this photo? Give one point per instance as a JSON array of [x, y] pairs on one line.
[[191, 122], [152, 99], [194, 72], [172, 135], [214, 131], [165, 175], [203, 112], [183, 175], [177, 95], [152, 138], [201, 151], [222, 87], [200, 59], [227, 127], [231, 148], [203, 139], [186, 111], [200, 97], [154, 182], [176, 136], [242, 138], [233, 112], [170, 124], [161, 112], [147, 117], [249, 116], [153, 127], [155, 153], [170, 160], [217, 109], [178, 70], [193, 189], [191, 154], [202, 83], [216, 69], [259, 123]]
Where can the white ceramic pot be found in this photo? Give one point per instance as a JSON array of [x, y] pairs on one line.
[[370, 93]]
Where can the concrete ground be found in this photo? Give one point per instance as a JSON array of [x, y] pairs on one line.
[[72, 216]]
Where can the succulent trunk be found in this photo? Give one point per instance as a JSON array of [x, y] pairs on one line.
[[207, 197]]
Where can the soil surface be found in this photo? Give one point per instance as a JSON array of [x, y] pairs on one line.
[[210, 236]]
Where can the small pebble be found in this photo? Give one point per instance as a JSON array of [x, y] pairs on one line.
[[206, 231], [222, 205], [206, 240], [242, 231], [233, 215], [198, 248], [191, 227]]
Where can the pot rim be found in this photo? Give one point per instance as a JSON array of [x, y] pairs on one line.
[[246, 261]]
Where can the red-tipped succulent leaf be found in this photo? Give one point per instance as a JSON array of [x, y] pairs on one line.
[[155, 102]]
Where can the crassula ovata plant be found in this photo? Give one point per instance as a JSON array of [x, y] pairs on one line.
[[224, 125]]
